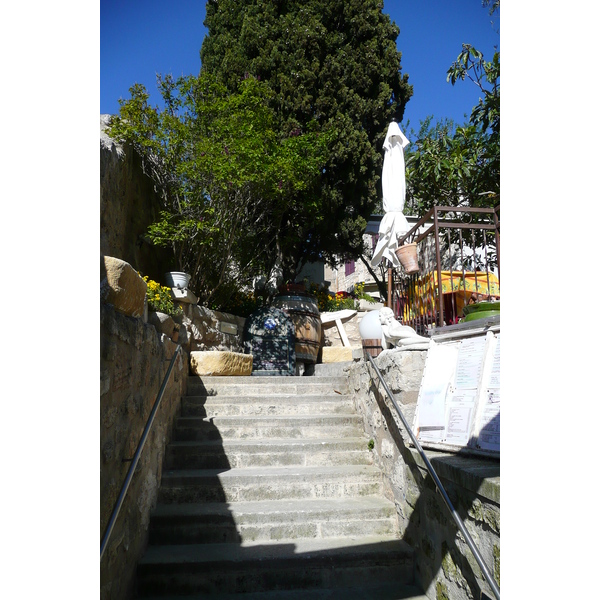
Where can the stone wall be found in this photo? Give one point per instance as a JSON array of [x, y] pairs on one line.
[[445, 566], [128, 204], [134, 358], [205, 329]]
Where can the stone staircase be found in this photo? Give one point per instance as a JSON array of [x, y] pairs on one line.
[[269, 493]]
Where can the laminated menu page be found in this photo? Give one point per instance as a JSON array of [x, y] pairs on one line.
[[459, 398], [435, 387], [487, 434]]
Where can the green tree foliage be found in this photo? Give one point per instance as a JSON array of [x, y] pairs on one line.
[[330, 63], [460, 165], [225, 173]]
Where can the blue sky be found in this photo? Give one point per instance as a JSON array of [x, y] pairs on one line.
[[141, 38]]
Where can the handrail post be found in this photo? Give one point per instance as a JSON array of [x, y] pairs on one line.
[[488, 577], [138, 452]]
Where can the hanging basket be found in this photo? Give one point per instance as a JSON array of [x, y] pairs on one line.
[[407, 255]]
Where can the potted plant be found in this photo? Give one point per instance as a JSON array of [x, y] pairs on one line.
[[481, 309], [164, 315], [407, 255], [177, 279]]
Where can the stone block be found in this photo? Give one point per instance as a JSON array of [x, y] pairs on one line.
[[123, 287], [184, 296], [163, 323], [333, 354], [212, 362]]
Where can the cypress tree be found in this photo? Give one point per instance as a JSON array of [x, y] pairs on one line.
[[334, 68]]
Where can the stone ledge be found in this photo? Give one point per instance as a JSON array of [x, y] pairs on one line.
[[464, 330], [214, 362], [185, 296], [478, 475], [335, 354]]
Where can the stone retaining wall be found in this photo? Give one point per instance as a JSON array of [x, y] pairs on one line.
[[128, 205], [445, 566], [133, 361], [205, 329]]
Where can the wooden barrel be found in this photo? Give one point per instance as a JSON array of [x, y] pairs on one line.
[[304, 312]]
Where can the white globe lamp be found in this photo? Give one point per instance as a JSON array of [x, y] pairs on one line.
[[370, 326]]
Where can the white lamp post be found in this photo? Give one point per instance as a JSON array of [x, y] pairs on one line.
[[370, 332]]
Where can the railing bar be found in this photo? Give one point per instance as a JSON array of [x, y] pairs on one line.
[[422, 296], [439, 265], [497, 224], [459, 226], [390, 282], [391, 287], [487, 266], [462, 266], [435, 289], [430, 286], [475, 262], [425, 288], [429, 213], [440, 487], [136, 457], [415, 227], [392, 304], [457, 209], [408, 301], [400, 293], [452, 298], [453, 225], [414, 287], [420, 237]]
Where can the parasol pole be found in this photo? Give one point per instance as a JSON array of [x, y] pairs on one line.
[[389, 297]]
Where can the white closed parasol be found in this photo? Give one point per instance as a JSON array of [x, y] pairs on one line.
[[393, 184]]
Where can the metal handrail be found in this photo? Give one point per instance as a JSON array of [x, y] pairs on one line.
[[440, 487], [136, 457]]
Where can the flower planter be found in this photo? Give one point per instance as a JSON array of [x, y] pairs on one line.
[[481, 310], [177, 279], [407, 255]]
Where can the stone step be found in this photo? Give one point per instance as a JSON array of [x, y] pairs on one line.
[[374, 591], [269, 491], [251, 386], [269, 483], [284, 427], [267, 453], [257, 405], [335, 369], [272, 520], [264, 566]]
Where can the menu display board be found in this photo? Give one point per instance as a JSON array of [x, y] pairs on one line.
[[459, 400]]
